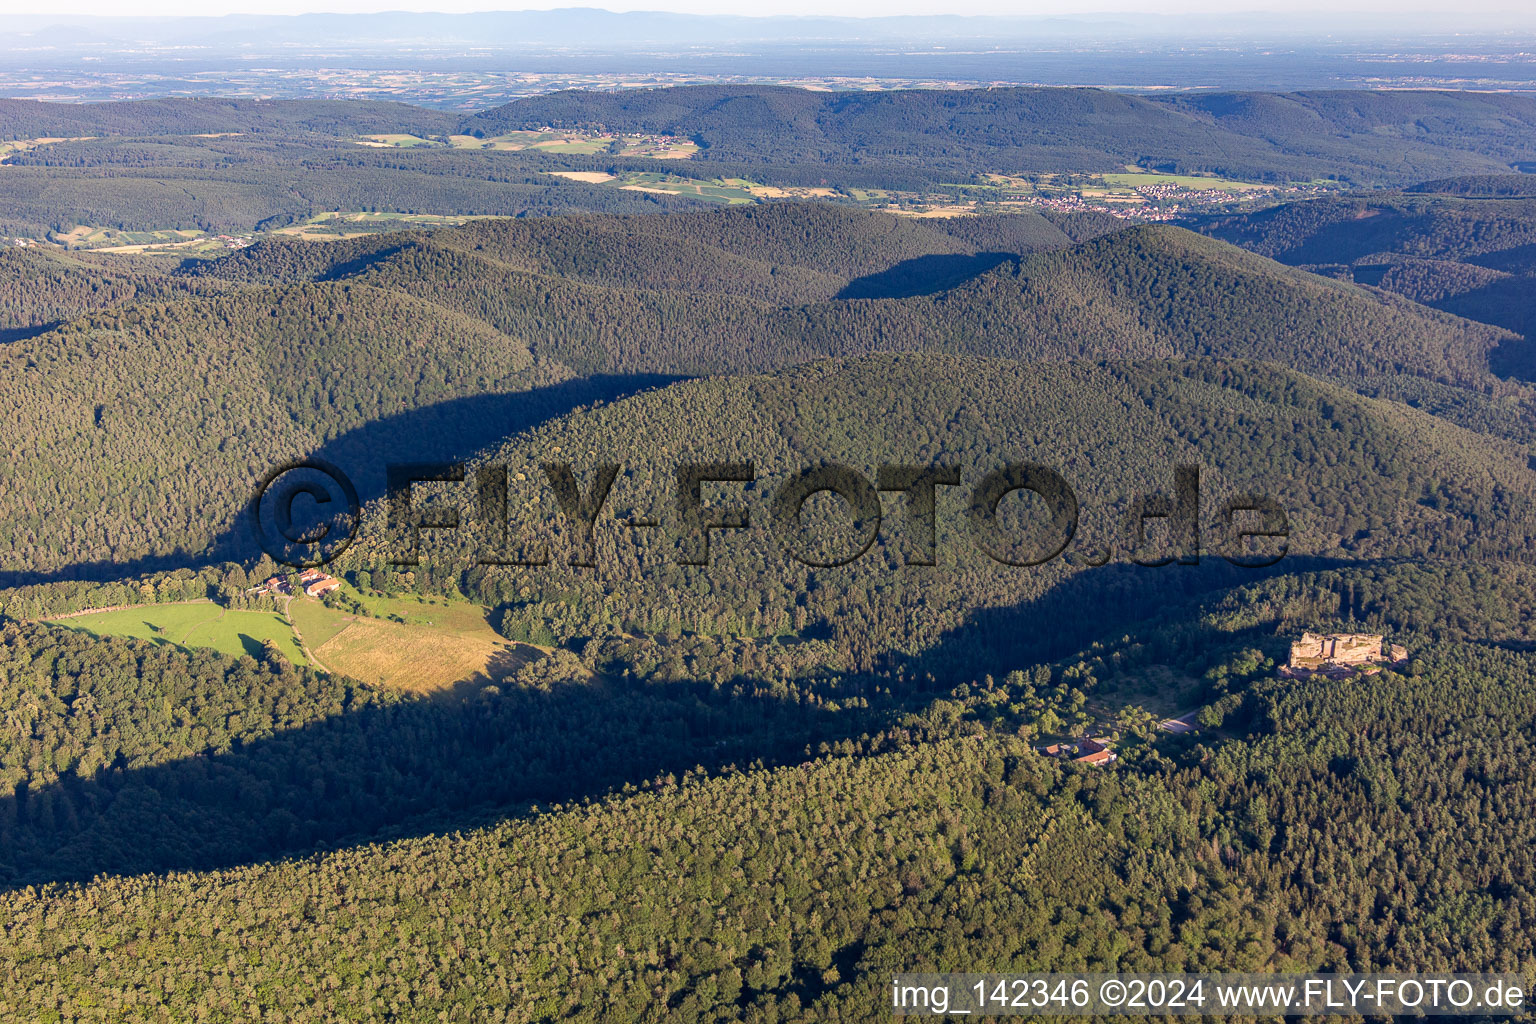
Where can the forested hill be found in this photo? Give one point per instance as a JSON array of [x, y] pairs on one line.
[[1482, 186], [238, 184], [1466, 246], [1141, 292], [783, 252], [433, 342], [1416, 222], [1369, 137], [1361, 479], [137, 432], [39, 287]]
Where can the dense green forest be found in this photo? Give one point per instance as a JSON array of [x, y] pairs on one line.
[[1358, 478], [418, 347], [241, 184], [782, 253], [937, 841], [43, 287], [30, 119]]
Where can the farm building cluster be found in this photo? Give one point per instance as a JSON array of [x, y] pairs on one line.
[[317, 583], [314, 582]]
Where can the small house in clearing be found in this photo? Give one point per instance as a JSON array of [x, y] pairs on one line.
[[1342, 654], [1084, 751]]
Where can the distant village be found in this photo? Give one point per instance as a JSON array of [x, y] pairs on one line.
[[1155, 202]]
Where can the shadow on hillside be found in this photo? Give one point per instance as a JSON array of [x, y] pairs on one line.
[[923, 275], [1510, 304], [1519, 259], [452, 761], [446, 431], [480, 752], [10, 334], [1088, 607]]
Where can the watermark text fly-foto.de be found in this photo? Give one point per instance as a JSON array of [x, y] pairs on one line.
[[1247, 529]]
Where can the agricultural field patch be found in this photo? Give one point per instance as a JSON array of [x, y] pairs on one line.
[[419, 659], [588, 177], [337, 224], [407, 643], [1189, 181], [391, 141], [228, 631], [654, 147], [183, 241], [11, 147]]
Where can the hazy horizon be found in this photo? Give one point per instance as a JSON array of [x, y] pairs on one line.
[[857, 9]]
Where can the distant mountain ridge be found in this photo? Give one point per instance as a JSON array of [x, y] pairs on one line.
[[1394, 138], [1375, 137]]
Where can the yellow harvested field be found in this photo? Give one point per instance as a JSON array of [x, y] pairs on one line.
[[590, 177], [677, 151], [418, 659], [937, 211]]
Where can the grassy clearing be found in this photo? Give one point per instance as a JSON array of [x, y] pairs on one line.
[[315, 622], [395, 141], [1189, 181], [714, 191], [184, 241], [337, 224], [586, 146], [589, 177], [232, 632], [936, 212], [655, 147], [408, 643], [416, 658]]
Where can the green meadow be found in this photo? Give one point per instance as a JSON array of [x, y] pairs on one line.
[[228, 631]]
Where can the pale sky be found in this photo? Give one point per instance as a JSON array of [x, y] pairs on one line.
[[851, 8]]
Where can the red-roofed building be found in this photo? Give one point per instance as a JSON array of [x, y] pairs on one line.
[[322, 586], [1084, 751], [1094, 752]]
